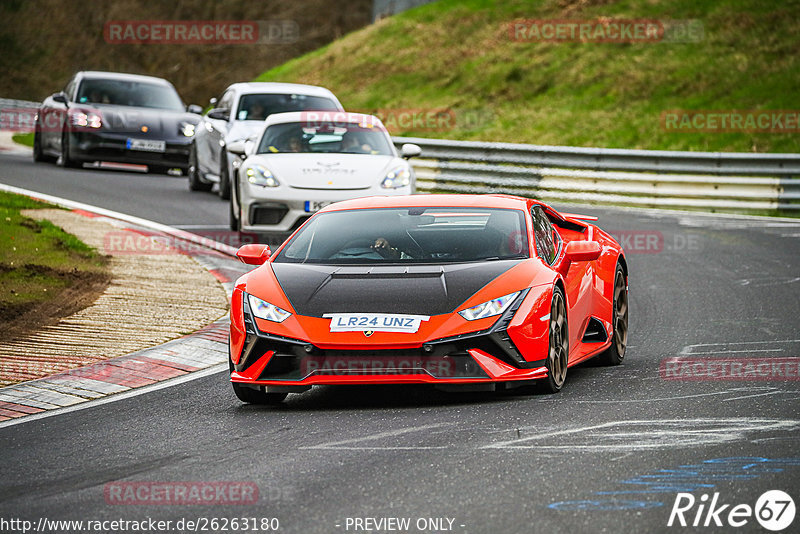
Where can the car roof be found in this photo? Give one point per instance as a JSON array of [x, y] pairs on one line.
[[96, 74], [324, 116], [433, 201], [280, 88]]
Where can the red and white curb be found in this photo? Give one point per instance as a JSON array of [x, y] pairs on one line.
[[193, 356]]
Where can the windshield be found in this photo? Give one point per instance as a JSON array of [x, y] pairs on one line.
[[409, 235], [129, 93], [258, 107], [343, 138]]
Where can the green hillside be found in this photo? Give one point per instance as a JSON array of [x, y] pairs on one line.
[[457, 58]]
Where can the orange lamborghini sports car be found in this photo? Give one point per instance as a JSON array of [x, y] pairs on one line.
[[467, 291]]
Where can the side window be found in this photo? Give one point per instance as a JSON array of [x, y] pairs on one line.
[[547, 239]]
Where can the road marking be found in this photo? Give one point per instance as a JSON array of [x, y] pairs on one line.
[[688, 349], [340, 445], [657, 434]]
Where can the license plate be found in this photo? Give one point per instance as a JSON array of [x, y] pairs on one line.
[[375, 322], [316, 205], [146, 145]]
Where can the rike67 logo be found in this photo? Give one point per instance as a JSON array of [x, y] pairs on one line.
[[774, 510]]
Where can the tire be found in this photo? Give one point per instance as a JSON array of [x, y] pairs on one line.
[[558, 353], [224, 179], [257, 396], [194, 177], [614, 354], [235, 224], [66, 160], [38, 153]]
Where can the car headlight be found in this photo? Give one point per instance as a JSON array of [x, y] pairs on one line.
[[488, 308], [187, 129], [265, 310], [398, 177], [89, 120], [260, 175]]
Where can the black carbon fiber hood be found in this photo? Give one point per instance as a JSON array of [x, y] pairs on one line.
[[315, 290]]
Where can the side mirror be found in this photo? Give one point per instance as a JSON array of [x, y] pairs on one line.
[[194, 108], [409, 150], [582, 251], [238, 147], [254, 254], [220, 114], [59, 97]]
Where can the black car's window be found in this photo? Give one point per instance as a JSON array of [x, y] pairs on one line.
[[409, 235], [316, 137], [547, 239], [257, 107], [129, 93]]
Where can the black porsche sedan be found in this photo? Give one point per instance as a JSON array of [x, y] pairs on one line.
[[118, 118]]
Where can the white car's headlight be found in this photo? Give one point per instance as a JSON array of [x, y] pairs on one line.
[[265, 310], [489, 308], [187, 129], [260, 175], [398, 177]]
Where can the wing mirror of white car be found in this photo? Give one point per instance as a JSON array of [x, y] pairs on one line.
[[237, 147], [409, 150], [194, 108], [220, 114], [249, 147]]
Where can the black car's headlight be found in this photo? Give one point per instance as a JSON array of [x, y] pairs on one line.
[[86, 120], [187, 129]]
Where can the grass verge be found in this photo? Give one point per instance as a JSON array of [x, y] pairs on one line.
[[458, 58], [23, 138], [45, 272]]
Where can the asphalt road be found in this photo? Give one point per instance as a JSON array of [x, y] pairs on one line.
[[610, 453]]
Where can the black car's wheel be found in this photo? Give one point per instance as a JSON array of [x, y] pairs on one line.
[[257, 396], [224, 179], [614, 354], [557, 356], [194, 172], [66, 160], [38, 153]]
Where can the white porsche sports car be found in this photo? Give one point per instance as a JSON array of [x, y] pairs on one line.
[[304, 161]]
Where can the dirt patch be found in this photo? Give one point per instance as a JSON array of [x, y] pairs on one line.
[[80, 289]]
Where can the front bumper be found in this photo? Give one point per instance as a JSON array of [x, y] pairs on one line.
[[488, 355], [112, 147], [284, 209]]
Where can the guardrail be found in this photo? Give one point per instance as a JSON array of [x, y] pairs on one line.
[[647, 178]]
